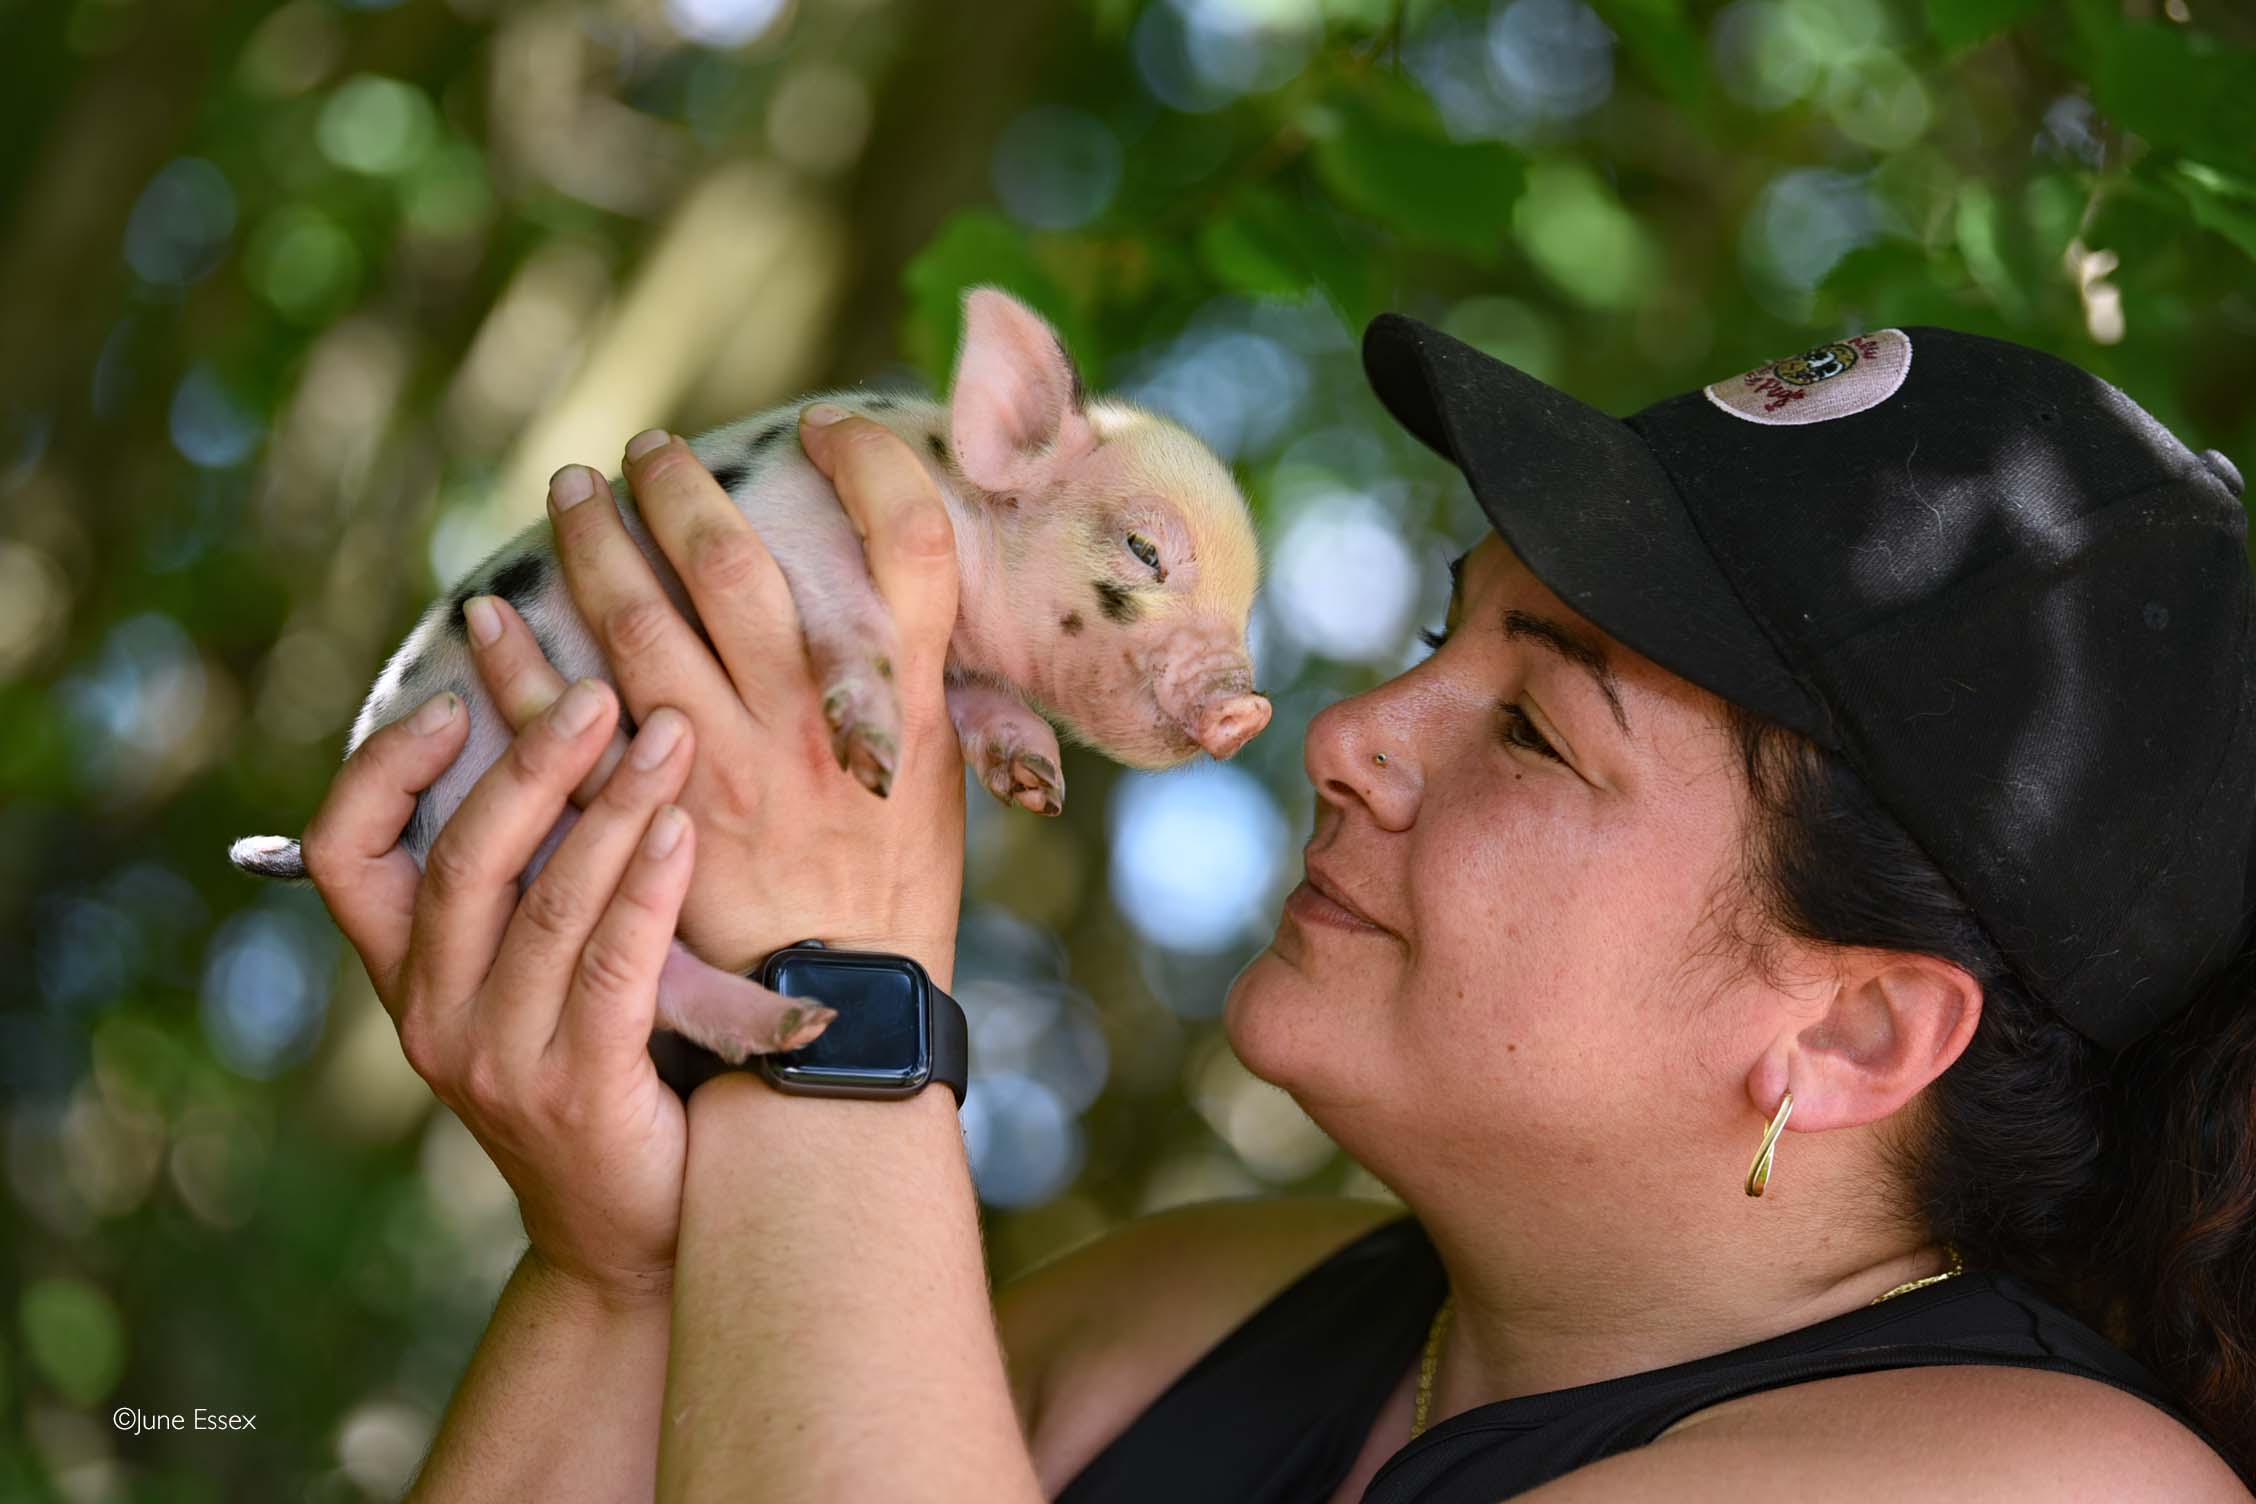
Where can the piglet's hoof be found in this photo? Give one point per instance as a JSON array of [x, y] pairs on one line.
[[867, 753], [1017, 776], [863, 713]]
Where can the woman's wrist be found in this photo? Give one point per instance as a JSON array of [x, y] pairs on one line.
[[579, 1295]]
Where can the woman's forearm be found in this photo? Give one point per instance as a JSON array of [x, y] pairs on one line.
[[561, 1401], [834, 1336]]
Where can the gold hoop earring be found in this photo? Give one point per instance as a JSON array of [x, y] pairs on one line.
[[1758, 1173]]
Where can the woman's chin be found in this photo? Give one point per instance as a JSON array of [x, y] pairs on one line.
[[1253, 1017]]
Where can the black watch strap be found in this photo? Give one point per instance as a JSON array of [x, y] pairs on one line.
[[951, 1043]]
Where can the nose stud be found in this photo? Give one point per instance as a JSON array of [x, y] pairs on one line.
[[1379, 758]]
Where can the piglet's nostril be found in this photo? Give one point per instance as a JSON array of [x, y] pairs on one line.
[[1232, 723]]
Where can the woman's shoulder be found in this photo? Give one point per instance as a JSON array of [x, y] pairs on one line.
[[1093, 1336], [1972, 1431]]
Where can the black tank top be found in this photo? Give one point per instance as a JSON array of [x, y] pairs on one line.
[[1277, 1412]]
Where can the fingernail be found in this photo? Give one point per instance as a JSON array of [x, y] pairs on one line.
[[658, 738], [435, 713], [570, 486], [485, 621], [577, 711], [645, 441], [665, 832], [823, 414]]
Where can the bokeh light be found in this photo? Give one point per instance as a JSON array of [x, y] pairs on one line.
[[210, 427], [1342, 581], [303, 263], [1552, 59], [1023, 1144], [1803, 222], [376, 125], [1762, 53], [382, 1442], [819, 119], [266, 989], [1056, 168], [1233, 387], [1198, 55], [724, 23], [181, 224], [136, 706], [1195, 853], [34, 606]]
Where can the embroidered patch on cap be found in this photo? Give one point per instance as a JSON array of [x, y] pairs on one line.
[[1827, 381]]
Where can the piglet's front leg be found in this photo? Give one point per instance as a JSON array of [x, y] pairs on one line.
[[730, 1015], [1013, 750], [851, 640]]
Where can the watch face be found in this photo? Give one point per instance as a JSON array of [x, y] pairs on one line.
[[877, 1046]]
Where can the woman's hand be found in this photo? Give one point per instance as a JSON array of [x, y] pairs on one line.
[[531, 1017], [791, 846]]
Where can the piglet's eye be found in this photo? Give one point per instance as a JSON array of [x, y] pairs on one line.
[[1142, 548]]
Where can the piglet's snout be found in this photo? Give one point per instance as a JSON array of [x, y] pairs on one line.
[[1229, 724], [1209, 694]]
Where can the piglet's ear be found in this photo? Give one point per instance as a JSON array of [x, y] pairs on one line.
[[1015, 404]]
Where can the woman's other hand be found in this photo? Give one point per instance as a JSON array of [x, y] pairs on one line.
[[790, 846], [530, 1017]]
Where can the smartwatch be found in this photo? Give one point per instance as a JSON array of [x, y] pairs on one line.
[[894, 1034]]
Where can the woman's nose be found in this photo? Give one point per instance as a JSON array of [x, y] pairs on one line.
[[1352, 759]]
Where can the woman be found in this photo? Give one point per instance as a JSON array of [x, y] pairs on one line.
[[1922, 870]]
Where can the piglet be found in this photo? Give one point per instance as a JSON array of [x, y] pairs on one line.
[[1109, 567]]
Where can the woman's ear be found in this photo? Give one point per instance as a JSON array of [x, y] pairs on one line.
[[1894, 1023], [1015, 402]]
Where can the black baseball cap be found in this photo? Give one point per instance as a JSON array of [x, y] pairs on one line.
[[2013, 601]]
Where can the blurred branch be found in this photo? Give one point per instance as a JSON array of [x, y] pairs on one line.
[[956, 86]]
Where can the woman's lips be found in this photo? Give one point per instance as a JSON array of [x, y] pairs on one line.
[[1310, 905]]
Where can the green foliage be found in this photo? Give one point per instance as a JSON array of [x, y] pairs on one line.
[[1384, 156], [1960, 24], [74, 1338], [306, 299]]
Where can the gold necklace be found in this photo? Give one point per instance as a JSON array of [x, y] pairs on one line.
[[1432, 1357]]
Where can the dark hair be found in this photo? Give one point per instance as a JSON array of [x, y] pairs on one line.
[[2121, 1185]]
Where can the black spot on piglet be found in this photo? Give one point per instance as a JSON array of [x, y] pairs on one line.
[[1070, 624], [731, 476], [938, 446], [1115, 602], [518, 581]]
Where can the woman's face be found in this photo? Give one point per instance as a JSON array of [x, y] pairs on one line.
[[1540, 883]]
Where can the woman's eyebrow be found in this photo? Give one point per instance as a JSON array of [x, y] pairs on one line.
[[1561, 639]]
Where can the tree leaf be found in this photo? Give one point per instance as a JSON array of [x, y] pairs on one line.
[[2177, 88], [1270, 245], [74, 1337], [2219, 203], [979, 247], [1579, 235], [1664, 45], [1388, 159], [1960, 24]]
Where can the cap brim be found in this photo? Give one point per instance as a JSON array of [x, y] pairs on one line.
[[1583, 502]]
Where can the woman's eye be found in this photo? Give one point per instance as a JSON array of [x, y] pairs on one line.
[[1142, 548], [1519, 731], [1516, 729]]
